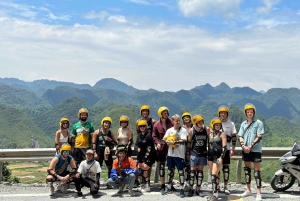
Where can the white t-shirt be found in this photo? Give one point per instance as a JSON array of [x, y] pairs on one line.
[[229, 129], [88, 172], [179, 150]]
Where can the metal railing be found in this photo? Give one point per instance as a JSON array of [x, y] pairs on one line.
[[46, 154]]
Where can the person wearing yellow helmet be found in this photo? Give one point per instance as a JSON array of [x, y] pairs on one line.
[[124, 134], [58, 169], [63, 135], [146, 154], [197, 153], [175, 138], [230, 131], [159, 130], [216, 153], [82, 131], [103, 140], [250, 137]]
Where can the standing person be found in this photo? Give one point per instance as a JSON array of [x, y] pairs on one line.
[[145, 112], [82, 131], [230, 131], [175, 138], [88, 174], [123, 172], [146, 154], [124, 134], [159, 130], [63, 136], [250, 137], [197, 152], [57, 170], [187, 124], [216, 154], [103, 141]]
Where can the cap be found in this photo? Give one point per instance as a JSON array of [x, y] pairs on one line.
[[89, 151]]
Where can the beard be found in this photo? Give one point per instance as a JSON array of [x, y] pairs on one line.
[[83, 118]]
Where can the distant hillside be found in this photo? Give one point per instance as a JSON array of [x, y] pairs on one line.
[[111, 83]]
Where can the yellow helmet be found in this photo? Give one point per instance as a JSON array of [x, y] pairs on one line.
[[161, 109], [197, 118], [62, 120], [83, 110], [142, 123], [65, 147], [249, 106], [106, 119], [214, 121], [145, 107], [172, 138], [186, 113], [124, 118], [223, 108]]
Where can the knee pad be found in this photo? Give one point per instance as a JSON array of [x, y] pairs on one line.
[[49, 182], [181, 177], [192, 177], [170, 175], [162, 169], [226, 173], [247, 175], [257, 178], [214, 182], [199, 177]]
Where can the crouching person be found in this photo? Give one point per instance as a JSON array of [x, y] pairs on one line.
[[58, 171], [88, 174], [123, 171]]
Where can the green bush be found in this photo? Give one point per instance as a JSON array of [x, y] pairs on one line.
[[7, 174]]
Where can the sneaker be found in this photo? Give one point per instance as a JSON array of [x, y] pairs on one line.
[[191, 193], [136, 184], [162, 188], [121, 188], [63, 189], [109, 186], [197, 192], [172, 188], [226, 191], [186, 187], [51, 191], [181, 193], [166, 191], [147, 188], [258, 197], [246, 194], [131, 193]]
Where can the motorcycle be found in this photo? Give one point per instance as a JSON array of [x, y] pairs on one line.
[[284, 178]]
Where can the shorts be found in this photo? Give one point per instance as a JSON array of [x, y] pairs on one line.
[[161, 158], [177, 162], [79, 154], [100, 153], [252, 157], [213, 156], [226, 159], [198, 161]]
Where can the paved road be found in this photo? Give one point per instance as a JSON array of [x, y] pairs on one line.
[[9, 192]]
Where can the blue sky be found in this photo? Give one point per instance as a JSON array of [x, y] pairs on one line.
[[165, 45]]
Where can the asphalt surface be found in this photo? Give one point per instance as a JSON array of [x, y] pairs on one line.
[[12, 192]]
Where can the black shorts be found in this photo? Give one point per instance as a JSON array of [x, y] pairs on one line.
[[252, 157], [213, 155], [226, 159], [161, 158], [100, 153], [79, 154]]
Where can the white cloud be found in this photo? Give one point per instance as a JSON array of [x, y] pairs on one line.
[[143, 2], [94, 15], [226, 8], [268, 6], [117, 18]]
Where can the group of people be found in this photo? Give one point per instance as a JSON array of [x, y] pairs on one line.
[[187, 146]]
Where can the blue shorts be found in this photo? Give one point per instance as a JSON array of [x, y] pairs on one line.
[[198, 161], [177, 162]]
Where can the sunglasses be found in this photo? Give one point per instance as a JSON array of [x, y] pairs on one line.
[[65, 123], [142, 126], [66, 152], [122, 122]]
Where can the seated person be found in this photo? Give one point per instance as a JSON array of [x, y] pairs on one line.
[[123, 171], [57, 170], [88, 174]]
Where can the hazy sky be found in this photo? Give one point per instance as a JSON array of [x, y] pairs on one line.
[[165, 45]]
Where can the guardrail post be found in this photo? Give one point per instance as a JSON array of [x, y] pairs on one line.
[[238, 171], [1, 168]]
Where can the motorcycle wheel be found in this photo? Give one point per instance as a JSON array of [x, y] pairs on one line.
[[278, 185]]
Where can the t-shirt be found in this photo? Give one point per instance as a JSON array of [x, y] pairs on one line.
[[179, 150], [83, 134], [89, 170], [229, 129]]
